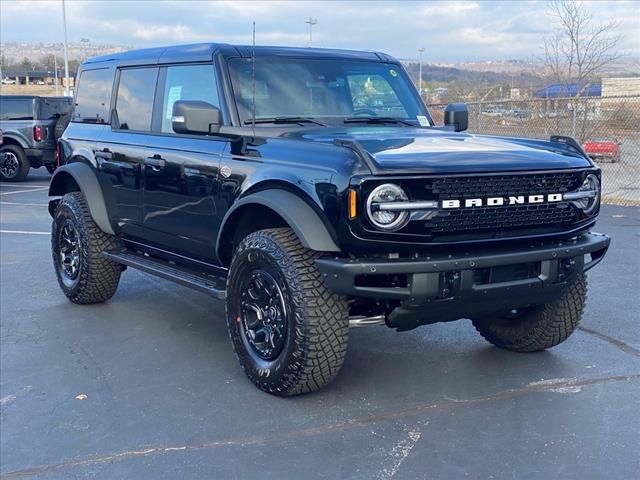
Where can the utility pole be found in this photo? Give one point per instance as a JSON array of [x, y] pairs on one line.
[[311, 21], [66, 57], [420, 50], [55, 68]]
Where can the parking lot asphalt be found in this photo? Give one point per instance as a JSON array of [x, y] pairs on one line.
[[166, 398]]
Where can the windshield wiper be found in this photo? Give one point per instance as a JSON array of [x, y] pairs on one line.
[[277, 120], [377, 120]]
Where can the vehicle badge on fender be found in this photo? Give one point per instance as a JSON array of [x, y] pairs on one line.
[[225, 171]]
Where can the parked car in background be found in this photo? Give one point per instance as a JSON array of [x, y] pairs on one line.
[[603, 150], [492, 112], [8, 81], [520, 113], [31, 127]]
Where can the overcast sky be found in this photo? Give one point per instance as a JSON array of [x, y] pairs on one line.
[[474, 30]]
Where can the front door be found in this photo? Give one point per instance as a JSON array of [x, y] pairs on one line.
[[121, 150], [181, 171]]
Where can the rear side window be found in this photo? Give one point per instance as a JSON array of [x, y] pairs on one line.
[[134, 103], [54, 108], [93, 96], [187, 82], [16, 108]]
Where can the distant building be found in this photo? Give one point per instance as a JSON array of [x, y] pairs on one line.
[[35, 77], [558, 90], [621, 87]]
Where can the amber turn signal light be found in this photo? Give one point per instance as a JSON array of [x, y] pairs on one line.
[[352, 204]]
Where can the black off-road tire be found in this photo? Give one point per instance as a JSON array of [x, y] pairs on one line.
[[317, 319], [23, 165], [538, 328], [97, 278]]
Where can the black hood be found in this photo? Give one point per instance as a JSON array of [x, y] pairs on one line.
[[417, 150]]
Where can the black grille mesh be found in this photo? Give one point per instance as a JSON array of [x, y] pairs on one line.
[[502, 185], [503, 219]]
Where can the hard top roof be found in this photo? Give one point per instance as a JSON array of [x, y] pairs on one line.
[[33, 97], [205, 51]]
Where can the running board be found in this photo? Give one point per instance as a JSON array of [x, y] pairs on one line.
[[209, 284]]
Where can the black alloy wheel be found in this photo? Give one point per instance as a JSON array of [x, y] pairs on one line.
[[69, 252], [9, 165], [263, 315]]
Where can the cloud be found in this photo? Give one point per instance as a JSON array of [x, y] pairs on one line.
[[455, 30]]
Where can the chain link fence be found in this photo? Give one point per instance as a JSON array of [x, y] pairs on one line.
[[607, 127]]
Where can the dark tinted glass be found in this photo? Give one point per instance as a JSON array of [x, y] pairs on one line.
[[93, 96], [52, 108], [187, 82], [134, 102], [16, 108]]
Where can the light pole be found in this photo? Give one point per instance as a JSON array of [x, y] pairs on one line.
[[66, 58], [55, 68], [311, 21], [420, 50]]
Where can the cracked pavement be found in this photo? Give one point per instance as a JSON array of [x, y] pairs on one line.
[[166, 398]]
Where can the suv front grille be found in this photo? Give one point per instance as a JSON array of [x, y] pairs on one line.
[[470, 223]]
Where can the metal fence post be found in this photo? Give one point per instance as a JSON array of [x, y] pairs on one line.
[[573, 118]]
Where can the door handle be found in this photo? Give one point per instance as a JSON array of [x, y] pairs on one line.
[[156, 162], [104, 154]]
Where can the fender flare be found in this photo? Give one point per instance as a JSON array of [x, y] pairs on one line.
[[87, 181], [17, 138], [303, 220]]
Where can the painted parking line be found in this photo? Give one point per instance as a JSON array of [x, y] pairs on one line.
[[35, 189], [25, 232], [25, 204], [18, 185]]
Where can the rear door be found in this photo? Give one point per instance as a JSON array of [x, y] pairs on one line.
[[181, 171], [121, 151]]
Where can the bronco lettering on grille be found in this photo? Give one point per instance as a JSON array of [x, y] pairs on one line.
[[500, 201]]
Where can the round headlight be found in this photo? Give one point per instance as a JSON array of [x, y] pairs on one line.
[[590, 185], [379, 216]]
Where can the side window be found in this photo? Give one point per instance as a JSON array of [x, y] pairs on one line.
[[93, 96], [134, 102], [49, 108], [187, 82], [373, 92], [16, 109]]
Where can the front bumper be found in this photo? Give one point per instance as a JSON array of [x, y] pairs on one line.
[[448, 287]]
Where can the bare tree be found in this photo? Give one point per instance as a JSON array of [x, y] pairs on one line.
[[577, 53]]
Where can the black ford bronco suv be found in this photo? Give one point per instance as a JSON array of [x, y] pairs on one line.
[[312, 191]]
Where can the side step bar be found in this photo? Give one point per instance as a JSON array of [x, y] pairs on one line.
[[209, 284]]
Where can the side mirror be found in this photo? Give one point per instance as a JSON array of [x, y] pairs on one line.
[[191, 116], [456, 115]]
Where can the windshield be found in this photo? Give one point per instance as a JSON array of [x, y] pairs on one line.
[[329, 90]]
